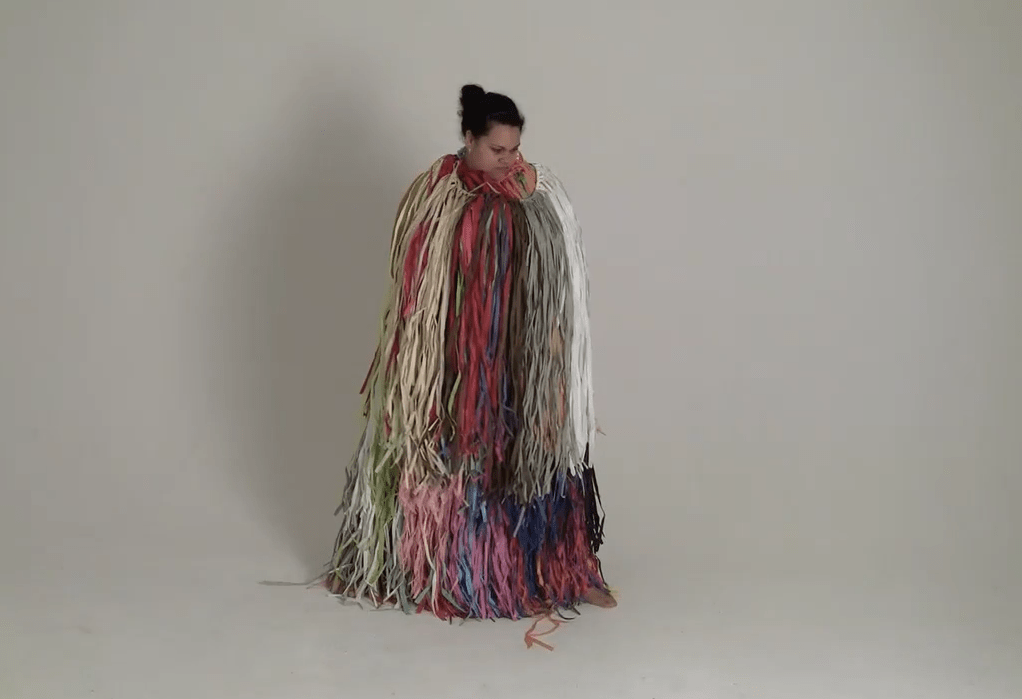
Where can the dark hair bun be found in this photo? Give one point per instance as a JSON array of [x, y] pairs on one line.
[[472, 97], [481, 109]]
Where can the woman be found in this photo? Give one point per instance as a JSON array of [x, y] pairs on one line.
[[471, 493]]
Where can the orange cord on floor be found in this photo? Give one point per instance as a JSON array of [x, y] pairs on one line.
[[532, 638]]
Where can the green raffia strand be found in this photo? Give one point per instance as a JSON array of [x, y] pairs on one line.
[[454, 393], [383, 488]]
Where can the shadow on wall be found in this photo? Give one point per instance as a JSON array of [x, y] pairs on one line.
[[306, 275]]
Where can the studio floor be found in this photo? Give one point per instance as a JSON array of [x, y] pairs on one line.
[[115, 620]]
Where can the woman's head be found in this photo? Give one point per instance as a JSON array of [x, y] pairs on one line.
[[492, 127]]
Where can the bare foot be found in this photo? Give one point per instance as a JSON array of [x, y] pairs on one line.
[[599, 598]]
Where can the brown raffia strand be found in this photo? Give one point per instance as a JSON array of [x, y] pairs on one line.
[[506, 473]]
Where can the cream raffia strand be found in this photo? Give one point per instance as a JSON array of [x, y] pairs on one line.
[[583, 415], [421, 351], [401, 449]]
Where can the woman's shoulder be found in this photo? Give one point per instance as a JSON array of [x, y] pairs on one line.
[[427, 178], [547, 179], [444, 166]]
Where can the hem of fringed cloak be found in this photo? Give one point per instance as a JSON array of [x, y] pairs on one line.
[[465, 555]]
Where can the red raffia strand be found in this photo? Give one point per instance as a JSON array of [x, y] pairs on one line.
[[532, 638]]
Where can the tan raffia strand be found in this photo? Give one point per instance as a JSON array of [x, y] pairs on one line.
[[420, 357], [371, 526], [364, 541]]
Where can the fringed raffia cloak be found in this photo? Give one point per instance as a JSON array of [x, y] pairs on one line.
[[471, 493]]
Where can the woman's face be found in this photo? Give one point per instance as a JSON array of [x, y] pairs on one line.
[[496, 152]]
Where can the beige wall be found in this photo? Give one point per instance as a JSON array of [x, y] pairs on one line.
[[803, 222]]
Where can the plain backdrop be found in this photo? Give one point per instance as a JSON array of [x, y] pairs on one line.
[[804, 226]]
